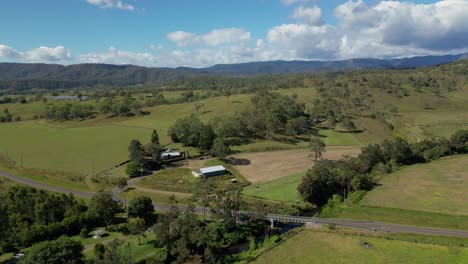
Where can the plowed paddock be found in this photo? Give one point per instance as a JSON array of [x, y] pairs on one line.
[[267, 166]]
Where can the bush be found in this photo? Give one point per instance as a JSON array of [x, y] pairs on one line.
[[84, 232], [133, 169]]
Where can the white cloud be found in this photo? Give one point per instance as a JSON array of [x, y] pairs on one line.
[[290, 2], [46, 54], [7, 52], [302, 41], [213, 38], [41, 54], [312, 16], [115, 56], [119, 4], [397, 29]]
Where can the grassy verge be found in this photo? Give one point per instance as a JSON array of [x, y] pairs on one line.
[[49, 177], [160, 198], [282, 189], [405, 217], [310, 246]]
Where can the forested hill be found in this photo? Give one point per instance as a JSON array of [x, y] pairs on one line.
[[24, 76], [270, 67]]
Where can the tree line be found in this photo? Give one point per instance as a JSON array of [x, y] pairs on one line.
[[341, 177]]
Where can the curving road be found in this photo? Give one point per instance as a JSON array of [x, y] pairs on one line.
[[360, 224], [38, 185]]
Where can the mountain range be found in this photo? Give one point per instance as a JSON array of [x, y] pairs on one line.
[[29, 75]]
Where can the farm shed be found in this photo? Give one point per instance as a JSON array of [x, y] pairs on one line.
[[210, 171]]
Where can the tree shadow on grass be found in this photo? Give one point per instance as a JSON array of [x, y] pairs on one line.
[[238, 161]]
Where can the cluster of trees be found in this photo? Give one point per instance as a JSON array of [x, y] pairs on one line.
[[11, 100], [143, 156], [8, 117], [69, 111], [184, 237], [327, 177], [29, 216], [126, 106], [271, 114]]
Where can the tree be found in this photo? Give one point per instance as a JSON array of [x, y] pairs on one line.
[[122, 183], [133, 169], [99, 251], [155, 137], [103, 208], [141, 207], [135, 150], [105, 106], [317, 146], [348, 124], [202, 193], [459, 141], [197, 106], [62, 250], [136, 226], [227, 93], [220, 148], [227, 203], [320, 183], [207, 137]]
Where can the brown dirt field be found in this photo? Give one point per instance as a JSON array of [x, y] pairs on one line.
[[267, 166]]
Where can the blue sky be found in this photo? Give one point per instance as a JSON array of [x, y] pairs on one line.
[[205, 32]]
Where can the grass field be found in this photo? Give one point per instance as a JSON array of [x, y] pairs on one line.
[[283, 189], [440, 187], [182, 180], [319, 247], [266, 166], [405, 217], [68, 149]]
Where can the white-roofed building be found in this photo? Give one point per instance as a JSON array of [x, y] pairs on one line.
[[210, 171], [170, 154]]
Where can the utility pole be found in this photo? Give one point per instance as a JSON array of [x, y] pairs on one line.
[[21, 161]]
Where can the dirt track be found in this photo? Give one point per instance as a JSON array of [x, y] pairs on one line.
[[267, 166]]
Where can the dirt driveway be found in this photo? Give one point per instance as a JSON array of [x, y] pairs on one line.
[[267, 166]]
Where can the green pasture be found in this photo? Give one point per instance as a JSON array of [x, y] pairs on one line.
[[405, 217], [440, 186], [310, 246], [182, 180], [157, 197], [283, 189], [80, 150]]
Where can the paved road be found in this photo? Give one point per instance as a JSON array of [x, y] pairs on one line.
[[367, 225], [371, 225], [38, 185]]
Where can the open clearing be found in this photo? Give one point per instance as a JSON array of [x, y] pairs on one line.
[[320, 247], [283, 189], [266, 166], [440, 187]]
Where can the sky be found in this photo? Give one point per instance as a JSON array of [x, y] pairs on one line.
[[200, 33]]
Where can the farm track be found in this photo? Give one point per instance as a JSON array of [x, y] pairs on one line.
[[359, 224]]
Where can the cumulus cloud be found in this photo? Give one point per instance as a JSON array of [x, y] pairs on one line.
[[392, 28], [46, 54], [213, 38], [119, 4], [312, 16], [7, 52], [41, 54], [115, 56]]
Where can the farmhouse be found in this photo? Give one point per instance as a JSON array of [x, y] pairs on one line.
[[210, 171], [69, 98], [169, 154]]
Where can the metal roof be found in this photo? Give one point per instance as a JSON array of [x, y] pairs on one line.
[[212, 169]]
